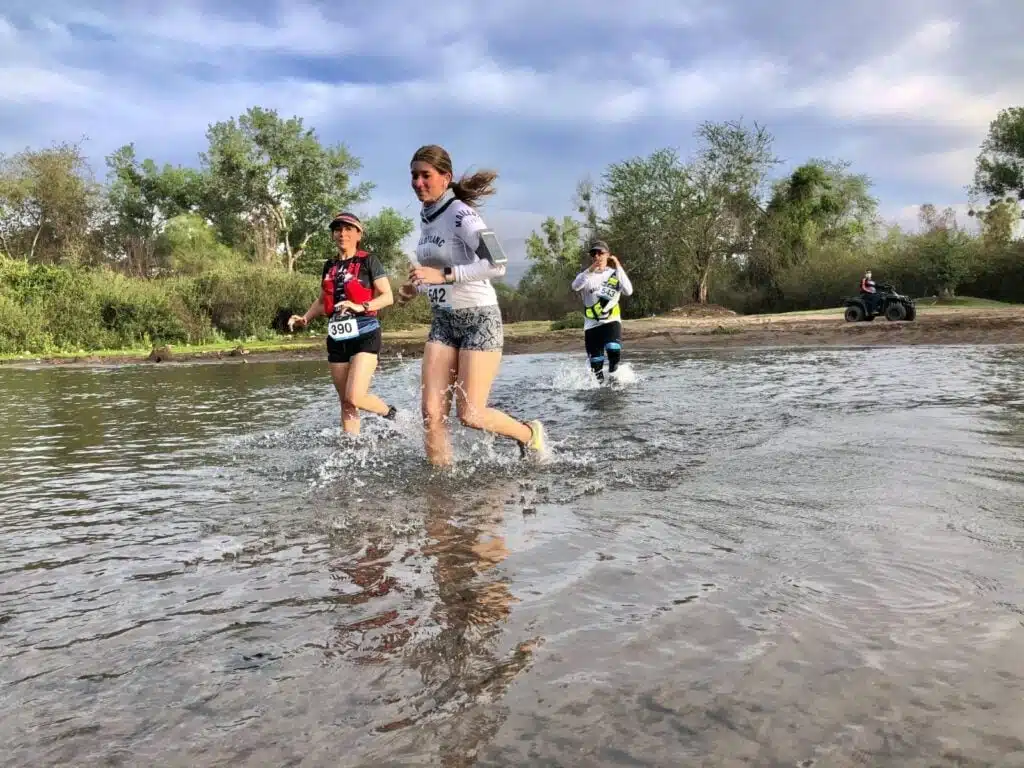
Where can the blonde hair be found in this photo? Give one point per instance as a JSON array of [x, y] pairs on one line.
[[470, 188]]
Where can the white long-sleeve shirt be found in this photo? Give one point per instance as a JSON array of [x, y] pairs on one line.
[[449, 236], [593, 286]]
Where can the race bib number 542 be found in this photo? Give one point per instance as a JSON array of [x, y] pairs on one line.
[[439, 295], [343, 329]]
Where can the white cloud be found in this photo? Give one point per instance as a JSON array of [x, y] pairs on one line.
[[193, 32], [399, 30], [462, 76], [56, 86], [908, 216], [68, 88], [908, 84], [939, 167]]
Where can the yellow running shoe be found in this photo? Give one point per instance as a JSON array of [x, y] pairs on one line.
[[537, 446]]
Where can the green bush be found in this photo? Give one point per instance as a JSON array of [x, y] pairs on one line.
[[824, 280], [400, 317], [188, 245], [570, 320], [21, 327], [75, 309], [136, 312], [999, 276], [247, 302]]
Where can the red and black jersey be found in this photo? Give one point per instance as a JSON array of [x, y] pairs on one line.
[[350, 280]]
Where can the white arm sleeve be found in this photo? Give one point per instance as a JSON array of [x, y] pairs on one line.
[[580, 281], [627, 287], [468, 232], [480, 270]]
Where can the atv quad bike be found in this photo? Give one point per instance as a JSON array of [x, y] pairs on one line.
[[888, 303]]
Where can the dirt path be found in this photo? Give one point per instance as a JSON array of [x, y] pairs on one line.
[[936, 325]]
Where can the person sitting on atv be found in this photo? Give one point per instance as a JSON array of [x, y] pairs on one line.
[[869, 292]]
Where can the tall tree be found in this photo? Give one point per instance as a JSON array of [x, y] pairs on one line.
[[554, 254], [998, 222], [648, 214], [819, 204], [561, 242], [384, 233], [943, 250], [723, 202], [49, 205], [142, 199], [1000, 165], [273, 185]]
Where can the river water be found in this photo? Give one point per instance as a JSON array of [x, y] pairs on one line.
[[761, 557]]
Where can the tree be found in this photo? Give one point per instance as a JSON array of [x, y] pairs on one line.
[[273, 186], [585, 201], [1000, 165], [142, 199], [188, 245], [561, 243], [820, 205], [554, 261], [723, 197], [647, 203], [49, 204], [943, 250], [383, 236], [998, 222]]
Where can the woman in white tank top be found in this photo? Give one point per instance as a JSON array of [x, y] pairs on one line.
[[466, 336]]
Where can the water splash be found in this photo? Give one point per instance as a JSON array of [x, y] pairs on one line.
[[624, 377], [577, 377]]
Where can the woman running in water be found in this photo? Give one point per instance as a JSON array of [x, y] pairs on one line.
[[456, 265], [601, 287], [354, 286]]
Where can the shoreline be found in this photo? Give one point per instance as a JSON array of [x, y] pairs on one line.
[[933, 326]]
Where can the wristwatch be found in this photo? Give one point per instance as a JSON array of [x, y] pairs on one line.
[[449, 275], [366, 306]]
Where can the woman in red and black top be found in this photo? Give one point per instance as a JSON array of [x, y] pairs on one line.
[[354, 286]]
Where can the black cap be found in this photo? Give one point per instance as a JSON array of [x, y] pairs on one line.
[[600, 246]]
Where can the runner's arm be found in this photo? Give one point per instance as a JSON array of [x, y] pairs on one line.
[[627, 286], [580, 281], [382, 286], [472, 226], [479, 270]]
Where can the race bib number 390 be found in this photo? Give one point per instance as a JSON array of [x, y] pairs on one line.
[[343, 329], [439, 295]]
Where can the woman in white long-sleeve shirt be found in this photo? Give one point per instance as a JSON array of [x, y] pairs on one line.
[[466, 334], [601, 287]]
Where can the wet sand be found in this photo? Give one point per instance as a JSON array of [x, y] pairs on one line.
[[936, 325]]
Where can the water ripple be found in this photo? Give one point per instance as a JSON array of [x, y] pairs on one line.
[[792, 557]]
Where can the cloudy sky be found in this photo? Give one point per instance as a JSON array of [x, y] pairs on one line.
[[545, 91]]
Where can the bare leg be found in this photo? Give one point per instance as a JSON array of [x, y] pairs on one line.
[[357, 389], [349, 413], [440, 365], [477, 370]]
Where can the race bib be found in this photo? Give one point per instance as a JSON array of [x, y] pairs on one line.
[[343, 328], [607, 292], [440, 296]]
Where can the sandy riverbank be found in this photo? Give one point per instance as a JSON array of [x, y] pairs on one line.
[[934, 325]]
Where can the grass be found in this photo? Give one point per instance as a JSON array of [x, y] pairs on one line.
[[278, 344], [965, 302]]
